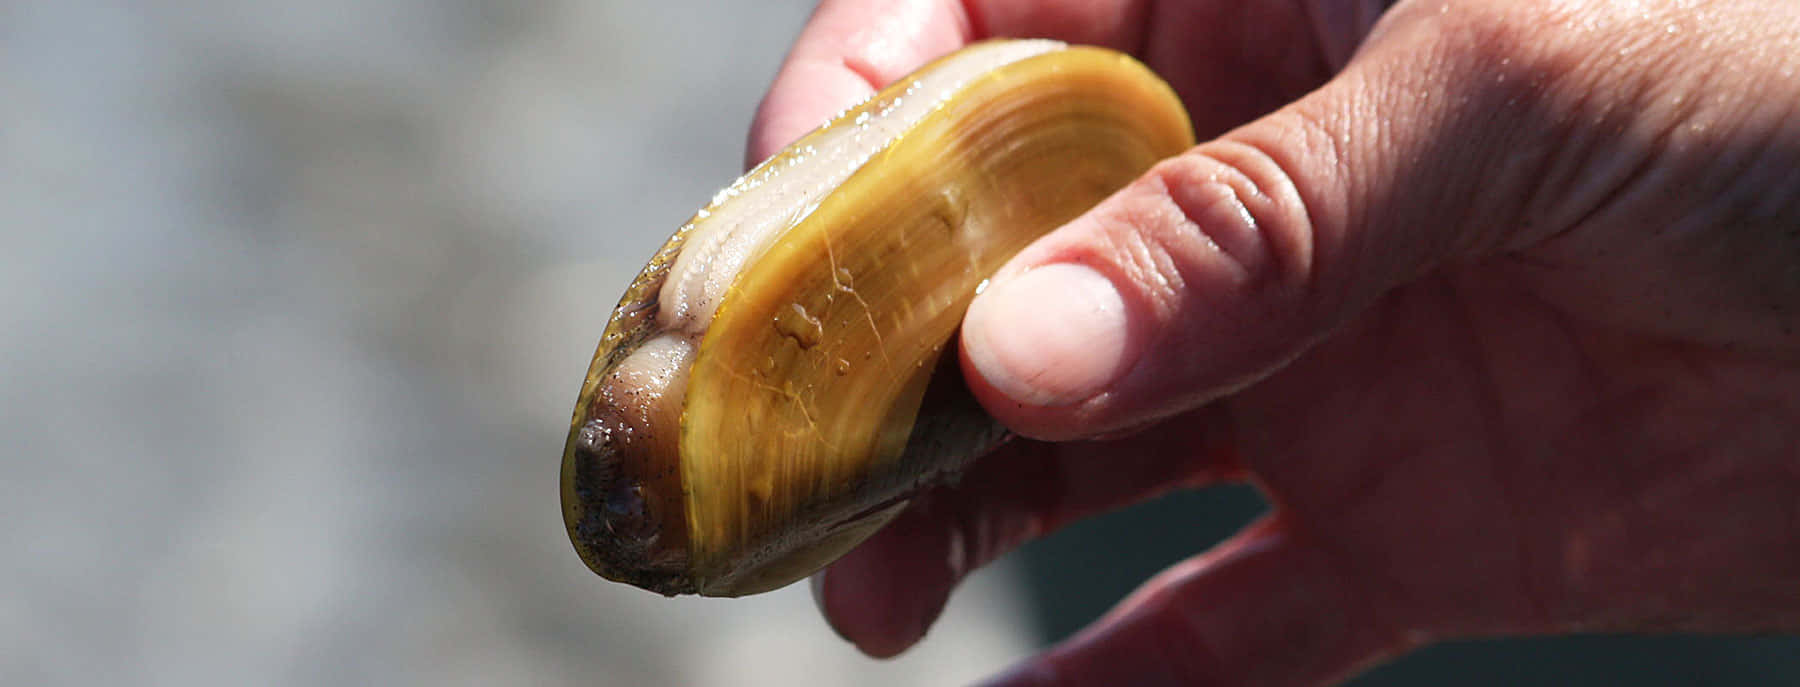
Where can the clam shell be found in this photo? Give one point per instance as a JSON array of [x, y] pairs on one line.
[[775, 384]]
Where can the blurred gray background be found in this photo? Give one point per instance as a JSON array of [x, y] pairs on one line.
[[294, 301]]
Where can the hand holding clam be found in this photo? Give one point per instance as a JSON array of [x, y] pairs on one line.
[[775, 386], [1496, 301]]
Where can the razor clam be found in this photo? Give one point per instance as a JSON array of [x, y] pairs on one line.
[[775, 384]]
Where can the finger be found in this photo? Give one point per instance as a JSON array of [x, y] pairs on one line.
[[1221, 264], [884, 595], [851, 48], [1266, 608], [1231, 61]]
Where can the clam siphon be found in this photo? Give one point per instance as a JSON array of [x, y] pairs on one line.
[[776, 383]]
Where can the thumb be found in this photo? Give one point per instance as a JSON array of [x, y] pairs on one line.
[[1221, 264]]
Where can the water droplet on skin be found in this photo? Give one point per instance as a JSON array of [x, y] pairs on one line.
[[843, 367], [796, 323]]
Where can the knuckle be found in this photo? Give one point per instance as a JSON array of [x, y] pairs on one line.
[[1238, 200]]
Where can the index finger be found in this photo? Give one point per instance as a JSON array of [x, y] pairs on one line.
[[851, 48], [887, 592]]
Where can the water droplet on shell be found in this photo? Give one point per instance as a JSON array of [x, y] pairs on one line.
[[796, 323]]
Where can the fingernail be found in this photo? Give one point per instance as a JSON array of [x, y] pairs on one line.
[[1052, 336]]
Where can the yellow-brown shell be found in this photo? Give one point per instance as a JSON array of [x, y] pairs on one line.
[[733, 439]]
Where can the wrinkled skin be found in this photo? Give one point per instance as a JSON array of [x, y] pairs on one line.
[[1498, 302]]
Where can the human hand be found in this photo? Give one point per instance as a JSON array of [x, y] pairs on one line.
[[1496, 301]]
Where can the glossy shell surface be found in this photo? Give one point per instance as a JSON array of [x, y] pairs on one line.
[[775, 384]]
